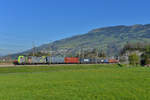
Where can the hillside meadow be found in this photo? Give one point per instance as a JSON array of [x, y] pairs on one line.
[[75, 82]]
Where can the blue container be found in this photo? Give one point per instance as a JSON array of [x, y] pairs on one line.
[[93, 60], [106, 61]]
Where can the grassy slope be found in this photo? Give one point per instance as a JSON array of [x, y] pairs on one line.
[[75, 82]]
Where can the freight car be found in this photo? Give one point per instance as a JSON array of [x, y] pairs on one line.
[[26, 60]]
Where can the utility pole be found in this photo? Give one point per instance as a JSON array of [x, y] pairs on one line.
[[96, 55], [33, 48], [79, 52], [50, 54], [83, 52], [49, 51]]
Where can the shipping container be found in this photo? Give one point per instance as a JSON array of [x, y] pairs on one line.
[[113, 61], [84, 61], [71, 60], [57, 60], [93, 60], [102, 60], [106, 61], [99, 60]]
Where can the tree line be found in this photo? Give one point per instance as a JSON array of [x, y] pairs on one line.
[[134, 58]]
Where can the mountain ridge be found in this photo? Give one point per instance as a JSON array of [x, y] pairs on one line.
[[109, 39]]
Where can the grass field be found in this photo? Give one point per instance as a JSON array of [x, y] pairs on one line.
[[75, 82]]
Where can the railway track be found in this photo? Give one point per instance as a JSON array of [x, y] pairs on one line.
[[12, 65]]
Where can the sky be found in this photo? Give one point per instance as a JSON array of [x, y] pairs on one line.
[[23, 22]]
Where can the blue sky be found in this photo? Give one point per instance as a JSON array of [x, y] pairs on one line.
[[44, 21]]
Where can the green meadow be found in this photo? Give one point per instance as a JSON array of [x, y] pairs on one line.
[[75, 82]]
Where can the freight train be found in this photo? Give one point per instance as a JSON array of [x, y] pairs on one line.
[[31, 60]]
